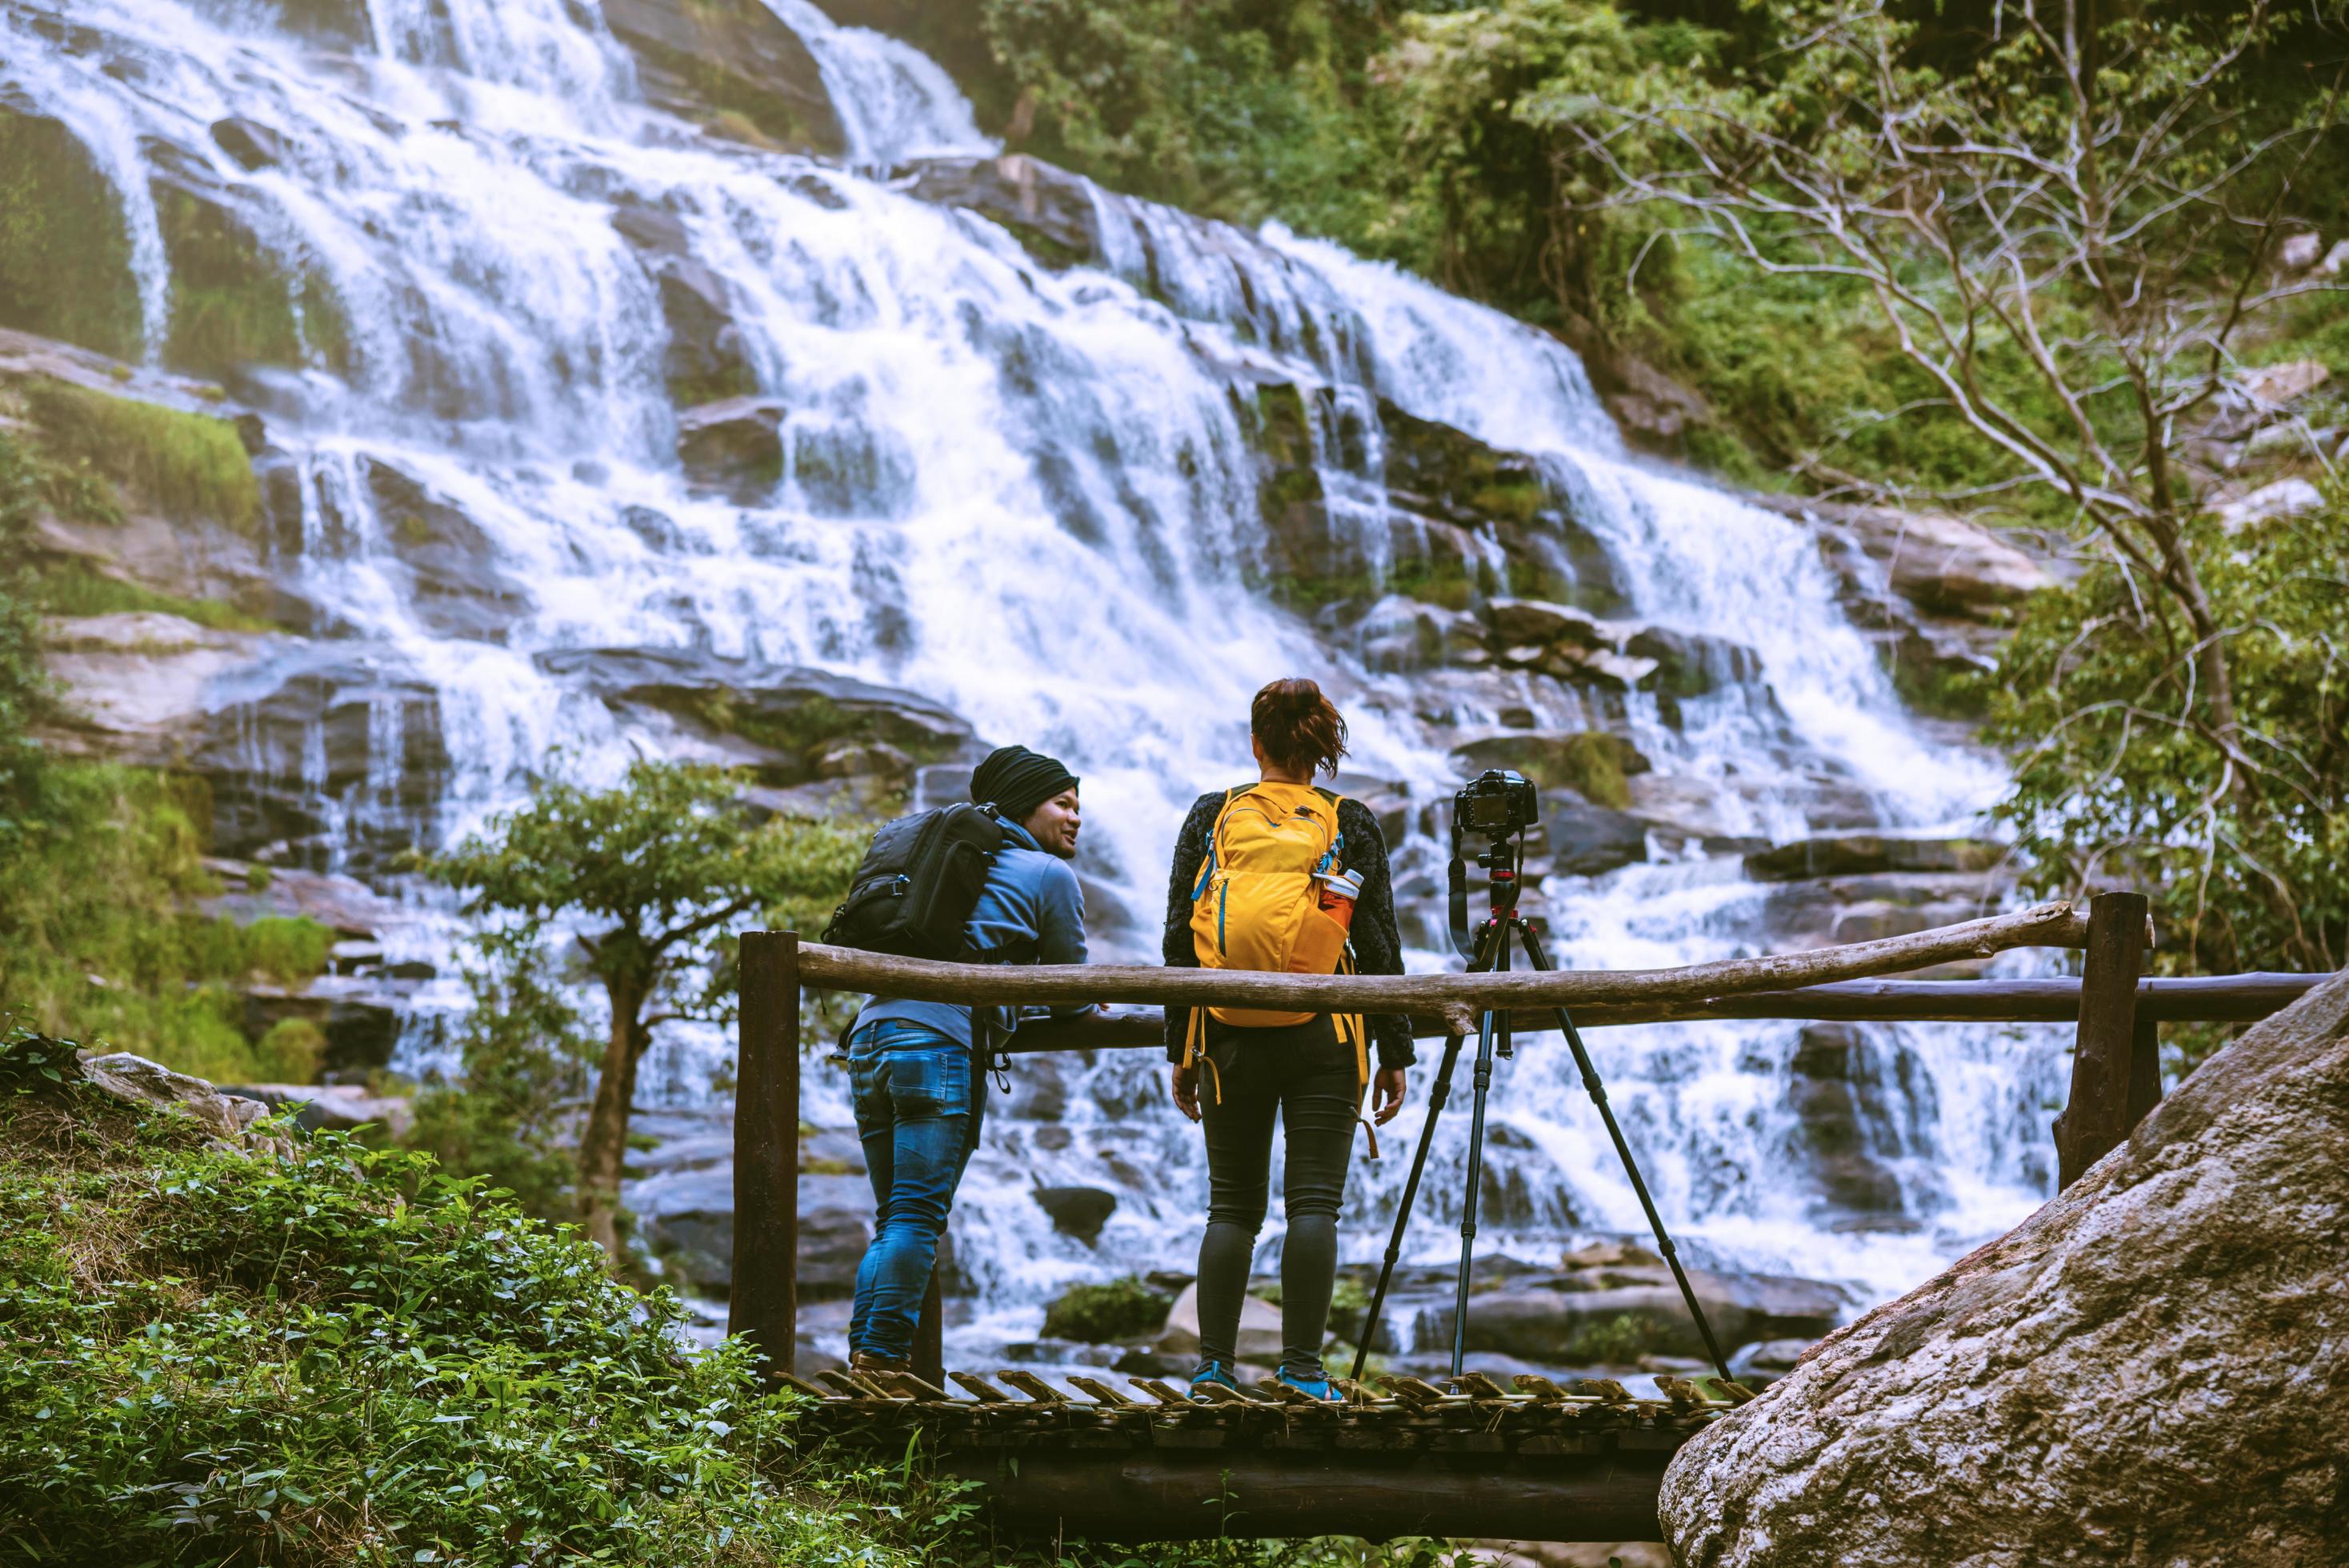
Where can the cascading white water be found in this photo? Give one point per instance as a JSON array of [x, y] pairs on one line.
[[1050, 530]]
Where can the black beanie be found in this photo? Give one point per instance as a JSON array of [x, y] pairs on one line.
[[1017, 780]]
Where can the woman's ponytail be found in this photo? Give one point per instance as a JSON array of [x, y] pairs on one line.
[[1299, 728]]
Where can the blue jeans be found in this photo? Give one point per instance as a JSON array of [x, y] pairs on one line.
[[920, 1100]]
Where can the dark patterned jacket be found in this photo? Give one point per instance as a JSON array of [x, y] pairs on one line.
[[1378, 949]]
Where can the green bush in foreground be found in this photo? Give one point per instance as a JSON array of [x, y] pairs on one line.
[[333, 1354]]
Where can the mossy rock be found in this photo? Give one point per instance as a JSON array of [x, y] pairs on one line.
[[186, 466], [1124, 1308], [65, 254]]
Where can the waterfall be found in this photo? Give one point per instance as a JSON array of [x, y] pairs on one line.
[[1027, 495]]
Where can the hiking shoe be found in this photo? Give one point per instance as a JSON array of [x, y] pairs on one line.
[[865, 1361], [1212, 1372], [1319, 1388]]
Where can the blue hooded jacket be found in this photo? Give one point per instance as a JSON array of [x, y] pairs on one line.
[[1029, 911]]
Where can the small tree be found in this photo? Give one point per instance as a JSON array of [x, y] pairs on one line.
[[652, 876]]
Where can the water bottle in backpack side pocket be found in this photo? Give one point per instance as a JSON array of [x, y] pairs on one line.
[[1338, 892]]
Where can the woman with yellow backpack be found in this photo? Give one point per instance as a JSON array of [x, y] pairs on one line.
[[1284, 876]]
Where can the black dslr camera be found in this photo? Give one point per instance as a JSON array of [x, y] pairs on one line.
[[1496, 803]]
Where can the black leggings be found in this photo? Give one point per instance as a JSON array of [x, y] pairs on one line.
[[1305, 1075]]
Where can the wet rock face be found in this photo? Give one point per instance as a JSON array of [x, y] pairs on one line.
[[795, 721], [375, 726], [1859, 1100], [1050, 212], [2146, 1370], [732, 62], [454, 583], [64, 256]]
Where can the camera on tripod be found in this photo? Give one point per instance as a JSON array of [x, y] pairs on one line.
[[1497, 804]]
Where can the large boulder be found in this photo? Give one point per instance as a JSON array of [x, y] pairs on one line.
[[1846, 855], [732, 63], [2146, 1370]]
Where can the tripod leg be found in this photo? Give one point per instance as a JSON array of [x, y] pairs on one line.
[[1437, 1096], [1491, 1029], [1598, 1091]]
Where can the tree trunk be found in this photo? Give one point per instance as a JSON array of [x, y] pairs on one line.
[[604, 1145]]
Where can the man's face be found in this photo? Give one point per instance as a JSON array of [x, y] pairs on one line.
[[1053, 825]]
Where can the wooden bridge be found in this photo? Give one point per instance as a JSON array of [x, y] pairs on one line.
[[1535, 1460]]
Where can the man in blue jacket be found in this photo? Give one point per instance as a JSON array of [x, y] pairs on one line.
[[917, 1069]]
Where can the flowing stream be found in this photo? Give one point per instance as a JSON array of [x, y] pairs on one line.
[[1029, 496]]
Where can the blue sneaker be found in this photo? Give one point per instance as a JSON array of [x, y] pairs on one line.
[[1212, 1372], [1319, 1388]]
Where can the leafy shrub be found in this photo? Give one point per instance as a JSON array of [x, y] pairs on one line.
[[339, 1356], [290, 1052], [1098, 1313]]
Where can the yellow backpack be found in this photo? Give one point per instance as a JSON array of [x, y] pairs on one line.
[[1256, 905]]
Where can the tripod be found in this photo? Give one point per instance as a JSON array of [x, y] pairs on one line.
[[1504, 859]]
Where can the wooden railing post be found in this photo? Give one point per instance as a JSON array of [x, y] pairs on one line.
[[929, 1333], [2144, 1069], [764, 1305], [2098, 1117]]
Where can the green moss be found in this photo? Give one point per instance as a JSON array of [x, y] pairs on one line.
[[234, 304], [73, 588], [1099, 1313], [1620, 1341], [186, 465], [65, 254], [1519, 498]]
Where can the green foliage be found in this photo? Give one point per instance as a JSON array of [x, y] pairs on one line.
[[669, 856], [525, 1057], [98, 864], [1240, 108], [662, 870], [30, 1060], [1099, 1313], [2120, 779], [337, 1356], [24, 684], [188, 465]]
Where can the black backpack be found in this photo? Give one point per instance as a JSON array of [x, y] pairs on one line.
[[920, 877]]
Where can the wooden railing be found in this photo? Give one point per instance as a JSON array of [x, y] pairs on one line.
[[2116, 1073]]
